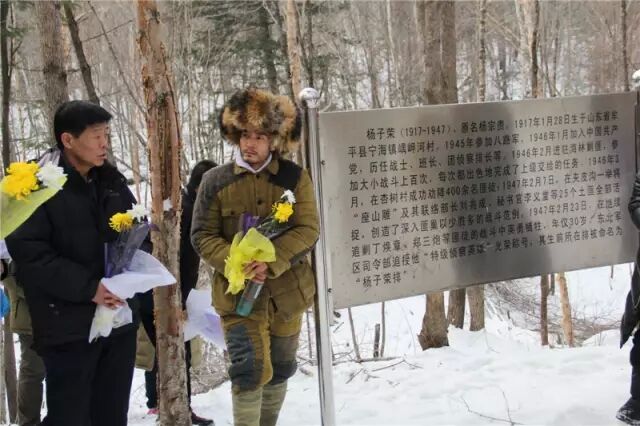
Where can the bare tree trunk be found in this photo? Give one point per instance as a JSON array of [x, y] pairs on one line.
[[544, 294], [6, 84], [531, 19], [283, 43], [308, 52], [293, 49], [10, 376], [135, 165], [384, 330], [556, 52], [448, 76], [434, 332], [567, 324], [164, 158], [293, 44], [476, 307], [54, 72], [455, 315], [356, 348], [482, 54], [376, 341], [625, 57], [535, 91], [396, 92], [420, 11], [437, 29], [502, 69], [85, 69], [449, 72], [431, 34], [267, 49], [123, 75]]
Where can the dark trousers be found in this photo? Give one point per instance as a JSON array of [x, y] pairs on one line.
[[89, 384], [151, 377], [634, 359], [30, 380]]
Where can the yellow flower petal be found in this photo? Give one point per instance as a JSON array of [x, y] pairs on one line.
[[121, 222], [20, 180], [282, 211]]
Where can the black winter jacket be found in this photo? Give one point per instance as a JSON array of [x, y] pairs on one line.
[[189, 259], [59, 252], [631, 312]]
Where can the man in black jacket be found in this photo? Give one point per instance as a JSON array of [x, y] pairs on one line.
[[59, 251], [630, 411], [189, 267]]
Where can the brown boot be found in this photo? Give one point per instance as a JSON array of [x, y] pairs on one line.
[[272, 399], [246, 408]]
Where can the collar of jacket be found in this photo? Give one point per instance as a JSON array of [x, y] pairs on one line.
[[107, 175], [272, 168]]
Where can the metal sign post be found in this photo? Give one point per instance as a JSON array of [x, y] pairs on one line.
[[322, 306]]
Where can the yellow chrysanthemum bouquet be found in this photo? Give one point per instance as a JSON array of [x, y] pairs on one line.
[[24, 188], [127, 270], [253, 243]]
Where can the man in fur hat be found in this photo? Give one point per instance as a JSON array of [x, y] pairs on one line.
[[262, 347]]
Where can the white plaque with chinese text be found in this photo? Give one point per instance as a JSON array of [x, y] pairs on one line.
[[438, 197]]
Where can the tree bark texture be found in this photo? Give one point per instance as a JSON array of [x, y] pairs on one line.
[[455, 314], [437, 28], [6, 84], [164, 159], [482, 51], [434, 323], [53, 68], [268, 55], [544, 323], [625, 57], [567, 323], [476, 307]]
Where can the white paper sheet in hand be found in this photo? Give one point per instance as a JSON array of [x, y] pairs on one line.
[[144, 273], [4, 252], [202, 319], [106, 319]]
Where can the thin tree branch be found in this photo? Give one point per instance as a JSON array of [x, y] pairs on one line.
[[106, 32], [115, 58], [511, 422]]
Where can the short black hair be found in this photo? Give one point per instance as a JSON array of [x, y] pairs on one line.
[[75, 116], [196, 173]]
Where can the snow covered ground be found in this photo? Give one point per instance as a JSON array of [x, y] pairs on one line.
[[496, 376], [500, 375]]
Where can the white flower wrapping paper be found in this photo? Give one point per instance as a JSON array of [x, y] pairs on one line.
[[144, 273], [202, 319]]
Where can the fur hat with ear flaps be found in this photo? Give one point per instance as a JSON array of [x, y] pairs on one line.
[[255, 109]]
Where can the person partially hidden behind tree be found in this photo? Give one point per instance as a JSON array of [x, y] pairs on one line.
[[31, 373], [630, 412], [262, 347], [189, 267]]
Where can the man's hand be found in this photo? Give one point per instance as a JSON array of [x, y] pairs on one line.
[[258, 270], [106, 298]]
